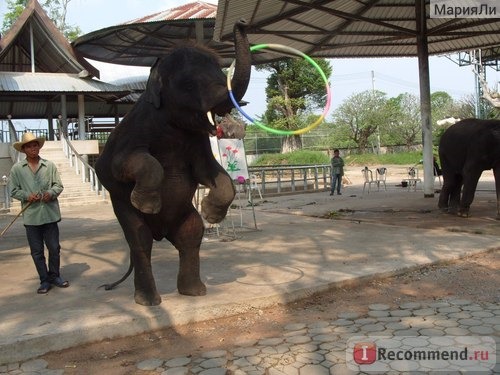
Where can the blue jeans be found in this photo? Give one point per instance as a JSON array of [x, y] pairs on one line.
[[336, 182], [37, 236]]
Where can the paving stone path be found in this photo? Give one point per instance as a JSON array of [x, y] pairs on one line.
[[320, 347]]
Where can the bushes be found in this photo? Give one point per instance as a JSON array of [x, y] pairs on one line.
[[302, 157], [305, 157], [402, 158]]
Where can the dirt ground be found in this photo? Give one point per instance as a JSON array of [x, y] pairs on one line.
[[475, 278]]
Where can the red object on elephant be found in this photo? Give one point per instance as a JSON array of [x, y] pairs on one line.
[[220, 132]]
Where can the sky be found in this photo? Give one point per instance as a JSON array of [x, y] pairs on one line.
[[350, 76]]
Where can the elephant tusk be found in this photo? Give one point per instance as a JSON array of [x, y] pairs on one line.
[[210, 118]]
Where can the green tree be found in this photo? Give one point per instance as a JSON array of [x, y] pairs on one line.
[[56, 10], [361, 115], [294, 90], [442, 106], [405, 125]]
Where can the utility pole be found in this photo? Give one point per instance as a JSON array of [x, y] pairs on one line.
[[373, 96]]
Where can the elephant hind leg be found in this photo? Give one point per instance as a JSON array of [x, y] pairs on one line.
[[496, 174], [454, 201], [140, 241], [449, 198], [444, 197], [187, 240], [470, 184]]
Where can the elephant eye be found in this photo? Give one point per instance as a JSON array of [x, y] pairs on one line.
[[188, 85]]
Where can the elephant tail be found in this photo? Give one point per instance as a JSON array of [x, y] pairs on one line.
[[124, 277]]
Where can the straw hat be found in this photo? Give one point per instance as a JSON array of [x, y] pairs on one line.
[[27, 138]]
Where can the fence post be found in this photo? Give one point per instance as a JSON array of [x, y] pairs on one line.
[[263, 180]]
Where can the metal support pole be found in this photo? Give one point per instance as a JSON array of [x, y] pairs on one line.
[[425, 98], [32, 49], [81, 117], [64, 116]]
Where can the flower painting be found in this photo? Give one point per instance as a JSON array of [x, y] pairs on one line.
[[233, 159], [229, 156]]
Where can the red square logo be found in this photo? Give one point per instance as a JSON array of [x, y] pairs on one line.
[[365, 353]]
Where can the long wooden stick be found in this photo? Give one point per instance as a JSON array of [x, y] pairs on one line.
[[17, 216]]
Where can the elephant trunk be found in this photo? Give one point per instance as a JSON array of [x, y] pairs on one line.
[[242, 70], [243, 65]]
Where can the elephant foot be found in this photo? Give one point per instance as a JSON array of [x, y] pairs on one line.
[[463, 214], [190, 288], [147, 299], [148, 202], [211, 213]]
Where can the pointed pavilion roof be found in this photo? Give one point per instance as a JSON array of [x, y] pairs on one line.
[[52, 53], [32, 81]]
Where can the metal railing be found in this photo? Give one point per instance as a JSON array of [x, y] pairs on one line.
[[291, 178], [82, 167]]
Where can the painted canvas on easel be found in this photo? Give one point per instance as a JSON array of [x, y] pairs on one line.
[[214, 145], [233, 158]]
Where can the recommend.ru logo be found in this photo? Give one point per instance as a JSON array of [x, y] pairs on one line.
[[421, 353]]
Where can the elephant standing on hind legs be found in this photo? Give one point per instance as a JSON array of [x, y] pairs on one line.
[[155, 158], [466, 149]]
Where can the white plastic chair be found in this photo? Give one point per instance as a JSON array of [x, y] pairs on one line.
[[413, 178], [253, 186], [380, 176], [438, 176], [368, 179]]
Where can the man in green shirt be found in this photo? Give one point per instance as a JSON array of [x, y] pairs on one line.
[[37, 184]]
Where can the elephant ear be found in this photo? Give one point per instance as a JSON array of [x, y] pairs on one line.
[[153, 87]]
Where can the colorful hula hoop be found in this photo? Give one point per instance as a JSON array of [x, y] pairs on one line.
[[289, 50]]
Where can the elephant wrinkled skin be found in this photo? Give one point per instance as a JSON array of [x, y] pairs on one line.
[[157, 156], [466, 149]]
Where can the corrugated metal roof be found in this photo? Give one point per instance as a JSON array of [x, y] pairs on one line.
[[141, 41], [14, 82], [36, 95], [347, 28], [25, 108], [135, 83], [195, 10]]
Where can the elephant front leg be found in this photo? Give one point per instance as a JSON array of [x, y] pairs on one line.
[[147, 173], [187, 240], [215, 205]]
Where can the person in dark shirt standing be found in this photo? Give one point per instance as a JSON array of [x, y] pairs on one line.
[[337, 172]]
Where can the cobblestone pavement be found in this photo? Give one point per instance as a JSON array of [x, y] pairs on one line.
[[320, 347]]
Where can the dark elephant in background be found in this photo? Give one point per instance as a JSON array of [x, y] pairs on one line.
[[155, 158], [466, 149]]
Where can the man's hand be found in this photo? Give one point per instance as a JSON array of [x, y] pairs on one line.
[[34, 197], [46, 197]]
